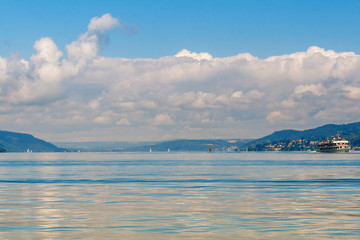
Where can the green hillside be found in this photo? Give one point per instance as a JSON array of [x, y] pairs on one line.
[[350, 131], [20, 142]]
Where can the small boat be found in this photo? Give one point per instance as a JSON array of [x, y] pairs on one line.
[[334, 145]]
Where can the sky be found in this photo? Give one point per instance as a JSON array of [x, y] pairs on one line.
[[159, 70]]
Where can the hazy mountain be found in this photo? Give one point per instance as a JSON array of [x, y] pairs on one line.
[[20, 142], [172, 145], [101, 146], [195, 145]]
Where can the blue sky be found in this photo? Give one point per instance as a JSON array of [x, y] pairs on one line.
[[155, 70], [222, 28]]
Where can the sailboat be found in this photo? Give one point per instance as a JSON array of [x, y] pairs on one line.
[[210, 148], [150, 150]]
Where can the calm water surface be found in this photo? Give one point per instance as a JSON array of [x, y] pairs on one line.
[[179, 196]]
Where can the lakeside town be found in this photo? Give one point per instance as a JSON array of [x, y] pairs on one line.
[[289, 145]]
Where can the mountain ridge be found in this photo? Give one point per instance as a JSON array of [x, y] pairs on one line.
[[350, 131], [21, 142]]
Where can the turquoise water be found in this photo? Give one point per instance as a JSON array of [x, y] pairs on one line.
[[179, 196]]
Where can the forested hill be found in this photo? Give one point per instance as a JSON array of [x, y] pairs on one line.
[[20, 142], [349, 131]]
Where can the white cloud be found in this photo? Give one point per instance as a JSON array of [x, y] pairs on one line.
[[3, 69], [352, 92], [277, 116], [193, 55], [42, 79], [163, 119], [249, 97], [22, 121], [103, 120], [316, 90], [123, 121], [103, 24], [82, 91], [86, 47]]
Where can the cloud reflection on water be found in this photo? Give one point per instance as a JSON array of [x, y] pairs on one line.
[[217, 198]]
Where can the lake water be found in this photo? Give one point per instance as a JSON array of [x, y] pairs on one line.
[[179, 196]]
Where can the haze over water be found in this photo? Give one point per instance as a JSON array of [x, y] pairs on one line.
[[179, 196]]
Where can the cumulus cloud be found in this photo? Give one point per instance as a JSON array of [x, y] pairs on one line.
[[123, 121], [236, 96], [42, 79], [249, 97], [193, 55], [163, 119], [102, 24], [352, 92], [277, 116], [87, 46], [316, 90]]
